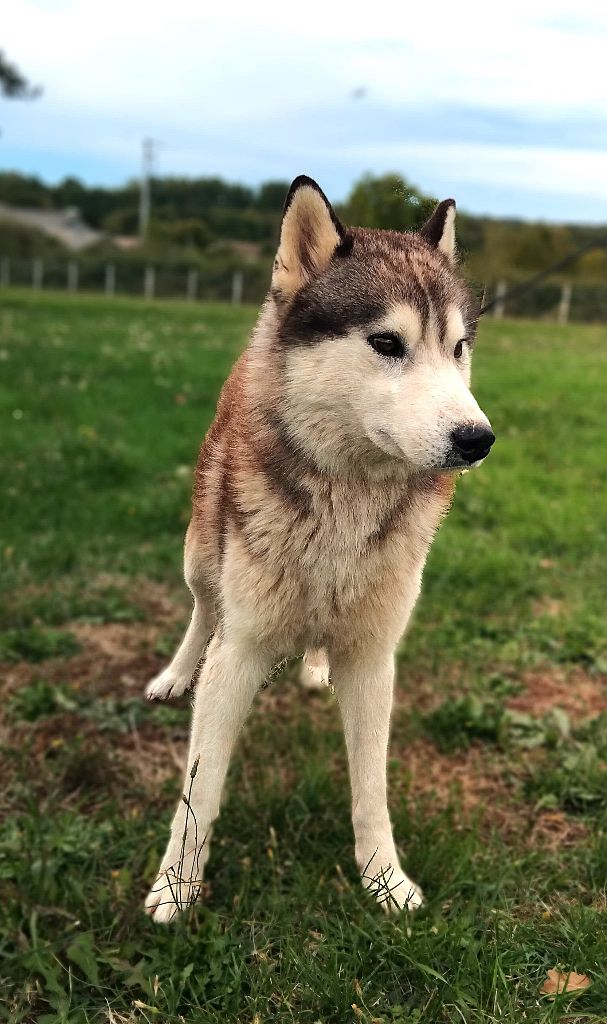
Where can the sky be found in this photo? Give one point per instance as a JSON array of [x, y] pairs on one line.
[[503, 107]]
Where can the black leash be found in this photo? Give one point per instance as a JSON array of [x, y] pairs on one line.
[[531, 282]]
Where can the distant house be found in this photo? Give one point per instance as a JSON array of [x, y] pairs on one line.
[[126, 242], [66, 226]]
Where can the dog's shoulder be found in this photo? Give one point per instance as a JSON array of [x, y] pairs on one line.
[[231, 402]]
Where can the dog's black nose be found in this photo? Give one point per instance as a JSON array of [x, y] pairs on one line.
[[472, 443]]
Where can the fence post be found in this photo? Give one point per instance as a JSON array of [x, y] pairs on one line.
[[72, 276], [110, 279], [565, 303], [192, 284], [37, 273], [5, 272], [149, 281], [500, 305], [237, 285]]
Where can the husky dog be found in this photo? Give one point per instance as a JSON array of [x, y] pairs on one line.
[[318, 490]]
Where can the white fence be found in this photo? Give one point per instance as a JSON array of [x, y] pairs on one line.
[[147, 280]]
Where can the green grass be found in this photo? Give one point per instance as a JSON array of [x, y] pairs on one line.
[[103, 405]]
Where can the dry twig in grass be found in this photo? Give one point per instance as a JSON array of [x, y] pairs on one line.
[[381, 887], [175, 880]]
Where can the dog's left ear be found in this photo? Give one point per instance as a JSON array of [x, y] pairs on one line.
[[439, 230], [309, 236]]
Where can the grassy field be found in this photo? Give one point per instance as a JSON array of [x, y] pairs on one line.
[[498, 761]]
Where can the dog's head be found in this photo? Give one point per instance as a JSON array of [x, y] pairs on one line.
[[375, 331]]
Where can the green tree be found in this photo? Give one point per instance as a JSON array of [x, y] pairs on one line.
[[388, 201], [271, 196], [69, 192], [592, 266], [13, 84], [122, 221], [538, 245], [190, 233], [21, 190]]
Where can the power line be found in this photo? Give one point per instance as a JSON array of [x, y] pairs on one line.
[[531, 282]]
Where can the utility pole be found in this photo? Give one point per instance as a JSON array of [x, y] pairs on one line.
[[147, 164]]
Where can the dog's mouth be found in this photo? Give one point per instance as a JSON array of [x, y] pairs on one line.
[[454, 463]]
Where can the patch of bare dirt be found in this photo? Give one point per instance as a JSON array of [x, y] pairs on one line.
[[14, 676], [479, 781], [553, 830], [550, 606], [467, 774], [575, 691], [116, 658], [420, 692], [86, 762], [485, 787], [159, 602]]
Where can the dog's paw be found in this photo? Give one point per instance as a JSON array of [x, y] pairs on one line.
[[168, 898], [167, 684], [159, 904], [176, 888], [393, 890]]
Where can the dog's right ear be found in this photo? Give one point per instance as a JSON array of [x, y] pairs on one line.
[[309, 236]]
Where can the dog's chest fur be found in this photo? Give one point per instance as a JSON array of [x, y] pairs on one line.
[[297, 557], [327, 567]]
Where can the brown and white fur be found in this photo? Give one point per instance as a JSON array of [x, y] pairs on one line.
[[318, 490]]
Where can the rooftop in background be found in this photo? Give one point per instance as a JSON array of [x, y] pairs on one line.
[[66, 226]]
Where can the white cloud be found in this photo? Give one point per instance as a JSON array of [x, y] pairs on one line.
[[579, 172], [193, 59]]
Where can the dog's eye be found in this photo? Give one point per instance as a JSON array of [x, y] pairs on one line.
[[458, 351], [387, 344]]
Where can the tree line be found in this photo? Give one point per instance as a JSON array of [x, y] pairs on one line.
[[202, 218]]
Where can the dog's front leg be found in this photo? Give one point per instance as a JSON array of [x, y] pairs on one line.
[[364, 684], [231, 676]]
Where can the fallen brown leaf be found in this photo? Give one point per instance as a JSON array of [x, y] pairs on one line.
[[556, 983]]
